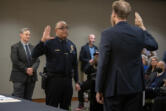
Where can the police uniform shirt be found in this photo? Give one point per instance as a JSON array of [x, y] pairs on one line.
[[61, 57]]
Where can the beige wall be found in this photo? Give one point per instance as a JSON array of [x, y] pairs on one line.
[[83, 16]]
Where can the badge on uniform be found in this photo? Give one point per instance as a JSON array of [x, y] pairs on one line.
[[72, 48]]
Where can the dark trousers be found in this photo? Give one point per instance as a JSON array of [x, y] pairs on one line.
[[59, 92], [23, 89], [159, 103], [84, 87], [94, 106], [130, 102]]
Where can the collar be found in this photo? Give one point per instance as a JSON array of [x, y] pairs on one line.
[[59, 39], [121, 22], [89, 46], [24, 43]]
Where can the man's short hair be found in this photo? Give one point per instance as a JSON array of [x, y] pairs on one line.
[[91, 35], [121, 8], [24, 30]]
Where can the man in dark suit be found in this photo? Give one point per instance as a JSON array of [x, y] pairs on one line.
[[86, 57], [120, 82], [87, 52], [24, 67]]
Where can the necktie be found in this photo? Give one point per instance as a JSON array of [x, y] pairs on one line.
[[28, 54]]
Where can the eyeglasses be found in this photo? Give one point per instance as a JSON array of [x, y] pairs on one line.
[[63, 28]]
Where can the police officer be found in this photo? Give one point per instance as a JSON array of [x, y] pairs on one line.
[[61, 65]]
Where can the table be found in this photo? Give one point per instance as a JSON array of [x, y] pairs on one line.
[[26, 105]]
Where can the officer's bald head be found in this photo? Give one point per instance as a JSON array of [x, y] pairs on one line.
[[61, 29], [59, 23]]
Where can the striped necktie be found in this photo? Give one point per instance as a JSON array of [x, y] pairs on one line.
[[28, 54]]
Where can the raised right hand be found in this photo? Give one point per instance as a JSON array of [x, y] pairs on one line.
[[46, 34], [139, 21]]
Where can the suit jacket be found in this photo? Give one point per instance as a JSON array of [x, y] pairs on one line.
[[20, 63], [164, 57], [120, 68], [85, 55]]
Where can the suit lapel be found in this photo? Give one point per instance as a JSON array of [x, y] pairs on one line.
[[88, 51], [22, 51]]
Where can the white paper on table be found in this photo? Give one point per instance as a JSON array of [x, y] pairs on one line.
[[4, 99]]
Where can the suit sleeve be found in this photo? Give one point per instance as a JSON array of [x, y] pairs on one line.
[[164, 57], [39, 50], [75, 67], [15, 59], [36, 64], [149, 42], [104, 55]]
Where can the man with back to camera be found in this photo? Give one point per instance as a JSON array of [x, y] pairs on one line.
[[120, 82], [24, 67], [61, 65]]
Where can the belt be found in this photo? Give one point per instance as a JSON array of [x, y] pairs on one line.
[[54, 74]]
